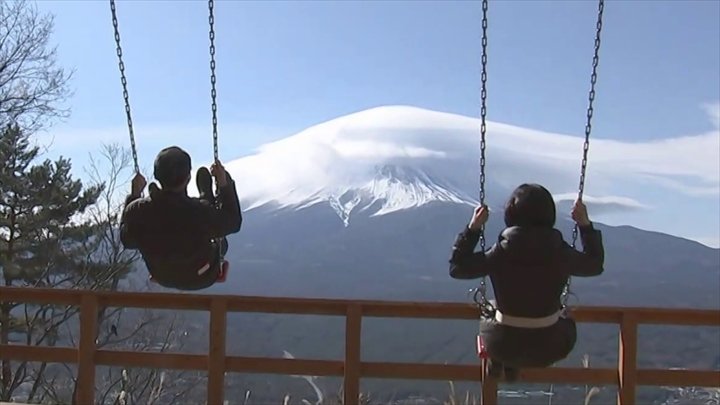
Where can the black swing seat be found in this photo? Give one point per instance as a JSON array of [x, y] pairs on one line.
[[177, 277]]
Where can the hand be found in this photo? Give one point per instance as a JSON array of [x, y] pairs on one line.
[[138, 185], [579, 213], [479, 218], [218, 171]]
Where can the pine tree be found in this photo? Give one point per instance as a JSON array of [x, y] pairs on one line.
[[43, 240], [40, 206]]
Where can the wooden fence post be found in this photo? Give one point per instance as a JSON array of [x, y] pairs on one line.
[[85, 392], [353, 326], [216, 356], [627, 359]]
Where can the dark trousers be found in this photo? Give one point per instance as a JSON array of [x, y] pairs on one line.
[[208, 278], [524, 347], [218, 247]]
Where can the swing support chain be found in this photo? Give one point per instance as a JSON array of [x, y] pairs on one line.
[[213, 92], [213, 97], [588, 128], [123, 80], [480, 294]]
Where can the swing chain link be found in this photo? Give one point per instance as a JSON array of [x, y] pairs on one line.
[[483, 114], [123, 80], [480, 297], [213, 92], [588, 128], [590, 110]]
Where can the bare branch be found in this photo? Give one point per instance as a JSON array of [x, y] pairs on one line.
[[32, 86]]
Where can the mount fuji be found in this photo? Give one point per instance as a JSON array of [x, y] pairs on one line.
[[389, 159]]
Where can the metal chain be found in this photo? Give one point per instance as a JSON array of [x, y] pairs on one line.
[[483, 114], [123, 80], [588, 128], [213, 92], [213, 96], [483, 303]]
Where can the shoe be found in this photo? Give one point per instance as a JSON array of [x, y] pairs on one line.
[[153, 190], [204, 183]]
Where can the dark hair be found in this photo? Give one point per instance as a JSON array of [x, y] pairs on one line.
[[172, 167], [530, 205]]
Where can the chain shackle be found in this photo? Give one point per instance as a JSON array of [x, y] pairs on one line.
[[123, 81]]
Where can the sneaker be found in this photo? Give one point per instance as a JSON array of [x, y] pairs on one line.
[[153, 190], [204, 183]]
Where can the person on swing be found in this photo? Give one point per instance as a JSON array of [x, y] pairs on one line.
[[181, 238], [529, 267]]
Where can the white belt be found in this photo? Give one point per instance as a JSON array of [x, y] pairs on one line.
[[532, 323]]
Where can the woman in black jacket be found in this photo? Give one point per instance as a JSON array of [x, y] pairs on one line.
[[528, 267]]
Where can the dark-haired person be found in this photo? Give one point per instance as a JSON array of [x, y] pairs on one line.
[[182, 238], [528, 266]]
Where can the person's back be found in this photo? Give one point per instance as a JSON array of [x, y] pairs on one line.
[[537, 257], [174, 231], [529, 267], [169, 231]]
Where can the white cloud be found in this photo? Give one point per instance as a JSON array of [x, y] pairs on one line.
[[603, 204], [339, 150], [713, 111]]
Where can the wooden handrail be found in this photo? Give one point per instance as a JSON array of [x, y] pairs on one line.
[[627, 377]]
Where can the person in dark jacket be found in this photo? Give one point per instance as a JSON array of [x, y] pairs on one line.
[[181, 238], [528, 267]]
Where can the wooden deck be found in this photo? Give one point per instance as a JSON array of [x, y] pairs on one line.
[[627, 377]]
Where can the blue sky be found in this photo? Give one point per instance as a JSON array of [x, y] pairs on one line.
[[284, 66]]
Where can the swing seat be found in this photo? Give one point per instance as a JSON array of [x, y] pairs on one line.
[[492, 369]]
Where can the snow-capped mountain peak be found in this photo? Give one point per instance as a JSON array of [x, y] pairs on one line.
[[377, 161], [392, 158]]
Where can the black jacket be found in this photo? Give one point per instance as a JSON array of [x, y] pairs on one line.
[[528, 267], [173, 230]]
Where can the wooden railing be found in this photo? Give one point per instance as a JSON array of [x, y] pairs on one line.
[[627, 377]]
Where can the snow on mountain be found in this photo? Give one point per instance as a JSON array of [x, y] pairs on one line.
[[392, 158]]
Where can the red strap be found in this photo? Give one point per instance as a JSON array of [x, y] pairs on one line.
[[224, 267], [481, 348]]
